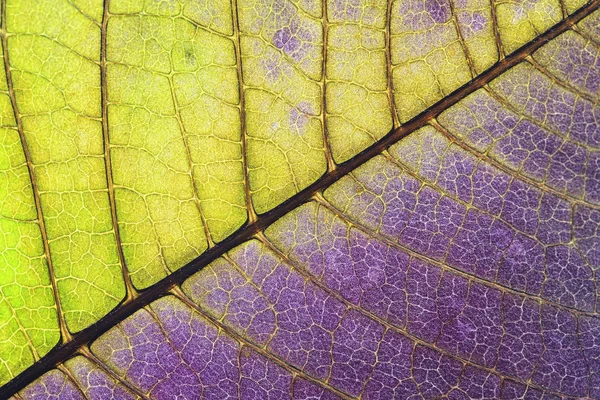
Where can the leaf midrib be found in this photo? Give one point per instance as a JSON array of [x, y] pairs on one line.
[[128, 307]]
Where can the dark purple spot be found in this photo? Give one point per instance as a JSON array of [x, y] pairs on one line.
[[479, 21], [281, 37], [284, 39], [438, 9]]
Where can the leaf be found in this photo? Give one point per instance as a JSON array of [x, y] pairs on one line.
[[200, 200]]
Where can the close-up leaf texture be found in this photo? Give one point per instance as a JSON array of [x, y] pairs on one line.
[[303, 199]]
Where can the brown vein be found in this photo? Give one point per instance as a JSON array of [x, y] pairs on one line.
[[130, 292], [387, 325], [594, 41], [165, 334], [199, 26], [22, 329], [506, 103], [412, 367], [69, 376], [330, 162], [512, 173], [308, 277], [251, 282], [461, 39], [563, 9], [561, 82], [498, 40], [179, 294], [469, 276], [65, 335], [186, 144], [80, 11], [87, 353], [252, 217], [161, 253], [388, 64], [87, 335]]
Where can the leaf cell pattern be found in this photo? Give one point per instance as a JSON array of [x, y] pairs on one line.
[[458, 262]]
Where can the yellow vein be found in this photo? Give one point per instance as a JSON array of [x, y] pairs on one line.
[[64, 332]]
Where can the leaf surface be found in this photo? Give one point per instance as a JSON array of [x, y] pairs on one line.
[[274, 199]]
